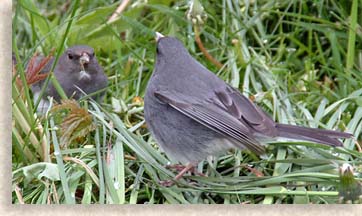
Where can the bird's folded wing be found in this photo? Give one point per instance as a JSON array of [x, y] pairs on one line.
[[244, 109], [211, 114]]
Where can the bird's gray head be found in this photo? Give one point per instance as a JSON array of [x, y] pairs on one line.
[[80, 59], [80, 54], [169, 47]]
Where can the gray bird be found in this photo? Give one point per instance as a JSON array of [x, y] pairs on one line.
[[192, 113], [77, 71]]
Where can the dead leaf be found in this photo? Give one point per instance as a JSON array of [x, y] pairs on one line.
[[77, 124]]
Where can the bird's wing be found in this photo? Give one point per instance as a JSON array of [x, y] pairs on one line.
[[216, 114], [243, 109]]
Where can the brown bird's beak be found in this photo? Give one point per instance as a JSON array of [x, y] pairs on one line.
[[84, 58], [159, 36]]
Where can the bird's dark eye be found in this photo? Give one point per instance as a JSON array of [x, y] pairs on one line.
[[70, 56], [157, 50]]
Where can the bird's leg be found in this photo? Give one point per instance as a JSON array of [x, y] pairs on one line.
[[188, 167], [177, 167], [182, 170]]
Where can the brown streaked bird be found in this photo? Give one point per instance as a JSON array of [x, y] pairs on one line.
[[193, 114], [77, 71]]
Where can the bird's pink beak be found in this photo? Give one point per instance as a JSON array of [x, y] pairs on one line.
[[84, 58], [159, 36]]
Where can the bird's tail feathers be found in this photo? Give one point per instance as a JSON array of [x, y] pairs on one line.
[[328, 137]]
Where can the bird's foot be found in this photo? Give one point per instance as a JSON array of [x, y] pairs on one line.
[[183, 169], [167, 183]]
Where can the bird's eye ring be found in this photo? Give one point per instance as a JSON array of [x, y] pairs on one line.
[[70, 56]]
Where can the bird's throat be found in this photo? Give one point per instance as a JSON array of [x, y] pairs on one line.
[[83, 75]]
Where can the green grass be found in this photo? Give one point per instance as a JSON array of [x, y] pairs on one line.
[[301, 60]]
